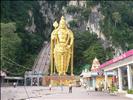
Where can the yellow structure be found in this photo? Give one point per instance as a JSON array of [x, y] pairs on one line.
[[58, 80], [62, 43], [99, 79]]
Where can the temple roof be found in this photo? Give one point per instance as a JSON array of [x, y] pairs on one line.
[[95, 64]]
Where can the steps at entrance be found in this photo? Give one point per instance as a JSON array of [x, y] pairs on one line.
[[42, 62]]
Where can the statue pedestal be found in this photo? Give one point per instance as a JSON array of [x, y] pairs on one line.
[[58, 80]]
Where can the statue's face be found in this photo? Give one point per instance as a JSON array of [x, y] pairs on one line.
[[62, 25], [62, 36]]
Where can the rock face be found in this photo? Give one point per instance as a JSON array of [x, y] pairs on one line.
[[30, 28], [93, 22]]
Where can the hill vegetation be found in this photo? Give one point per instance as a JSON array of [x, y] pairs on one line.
[[19, 47]]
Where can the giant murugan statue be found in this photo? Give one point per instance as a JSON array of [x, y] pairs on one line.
[[62, 43]]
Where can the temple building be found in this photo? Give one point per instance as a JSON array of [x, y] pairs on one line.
[[117, 73], [94, 79], [122, 67]]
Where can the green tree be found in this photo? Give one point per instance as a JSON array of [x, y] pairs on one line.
[[118, 13], [95, 50], [73, 23], [10, 43], [83, 40]]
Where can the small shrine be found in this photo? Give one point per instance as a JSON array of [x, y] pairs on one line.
[[95, 64]]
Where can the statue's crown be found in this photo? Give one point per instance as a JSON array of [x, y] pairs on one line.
[[62, 21]]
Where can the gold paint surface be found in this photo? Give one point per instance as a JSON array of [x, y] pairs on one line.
[[62, 43]]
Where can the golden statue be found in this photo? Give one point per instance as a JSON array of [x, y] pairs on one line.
[[62, 43]]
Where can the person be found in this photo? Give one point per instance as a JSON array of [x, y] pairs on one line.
[[70, 88], [14, 84], [50, 87], [109, 89], [95, 88]]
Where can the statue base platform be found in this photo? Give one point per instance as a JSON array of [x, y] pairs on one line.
[[58, 80]]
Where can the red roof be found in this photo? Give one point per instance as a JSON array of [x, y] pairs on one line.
[[123, 56]]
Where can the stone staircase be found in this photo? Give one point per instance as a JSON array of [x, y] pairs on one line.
[[41, 65]]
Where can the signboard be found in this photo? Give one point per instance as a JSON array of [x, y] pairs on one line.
[[125, 55]]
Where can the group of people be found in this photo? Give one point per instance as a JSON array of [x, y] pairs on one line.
[[70, 87]]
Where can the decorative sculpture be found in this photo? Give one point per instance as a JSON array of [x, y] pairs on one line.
[[62, 43]]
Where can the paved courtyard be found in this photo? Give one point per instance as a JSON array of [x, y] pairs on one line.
[[43, 93]]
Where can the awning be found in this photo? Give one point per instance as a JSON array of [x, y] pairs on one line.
[[17, 78], [88, 74]]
